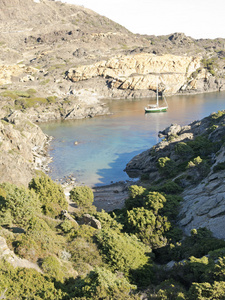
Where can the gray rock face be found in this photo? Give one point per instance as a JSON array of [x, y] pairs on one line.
[[204, 205], [204, 195]]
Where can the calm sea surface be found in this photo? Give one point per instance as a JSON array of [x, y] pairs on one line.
[[107, 143]]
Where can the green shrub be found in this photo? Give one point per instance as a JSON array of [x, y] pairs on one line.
[[171, 206], [169, 187], [51, 99], [47, 242], [183, 150], [84, 254], [23, 103], [212, 128], [31, 92], [108, 221], [17, 205], [198, 244], [50, 194], [162, 161], [24, 283], [206, 290], [154, 201], [66, 225], [121, 251], [201, 165], [103, 284], [201, 146], [136, 194], [51, 266], [196, 161], [27, 248], [219, 167], [219, 269], [210, 64], [217, 116], [170, 289], [148, 227], [167, 167], [15, 94], [83, 196]]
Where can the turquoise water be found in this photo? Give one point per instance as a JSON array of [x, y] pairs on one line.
[[107, 143]]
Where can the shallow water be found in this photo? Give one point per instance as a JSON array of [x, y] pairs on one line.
[[107, 143]]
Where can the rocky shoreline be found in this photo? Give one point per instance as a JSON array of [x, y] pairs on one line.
[[192, 156]]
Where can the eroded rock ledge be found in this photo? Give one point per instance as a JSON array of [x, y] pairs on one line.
[[141, 72]]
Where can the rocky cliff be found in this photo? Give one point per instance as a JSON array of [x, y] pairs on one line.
[[140, 72], [22, 148], [193, 157]]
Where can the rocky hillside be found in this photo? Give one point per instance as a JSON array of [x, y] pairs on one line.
[[193, 157], [23, 149], [60, 50], [142, 71]]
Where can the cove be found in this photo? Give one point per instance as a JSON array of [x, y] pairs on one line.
[[107, 143]]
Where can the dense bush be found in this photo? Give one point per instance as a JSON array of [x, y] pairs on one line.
[[169, 187], [39, 240], [200, 243], [103, 284], [84, 255], [83, 197], [50, 194], [206, 290], [183, 150], [167, 166], [148, 227], [21, 283], [202, 146], [170, 289], [17, 205], [121, 251], [51, 266], [136, 194], [108, 221]]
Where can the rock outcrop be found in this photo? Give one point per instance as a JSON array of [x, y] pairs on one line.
[[22, 148], [7, 72], [202, 180], [13, 259], [140, 71], [204, 204], [91, 221]]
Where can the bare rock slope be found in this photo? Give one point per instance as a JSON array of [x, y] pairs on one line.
[[192, 156], [22, 148]]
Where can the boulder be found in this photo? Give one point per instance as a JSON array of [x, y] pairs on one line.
[[91, 221]]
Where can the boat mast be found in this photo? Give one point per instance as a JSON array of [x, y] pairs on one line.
[[157, 95]]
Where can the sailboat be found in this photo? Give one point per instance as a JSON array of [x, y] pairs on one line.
[[156, 107]]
